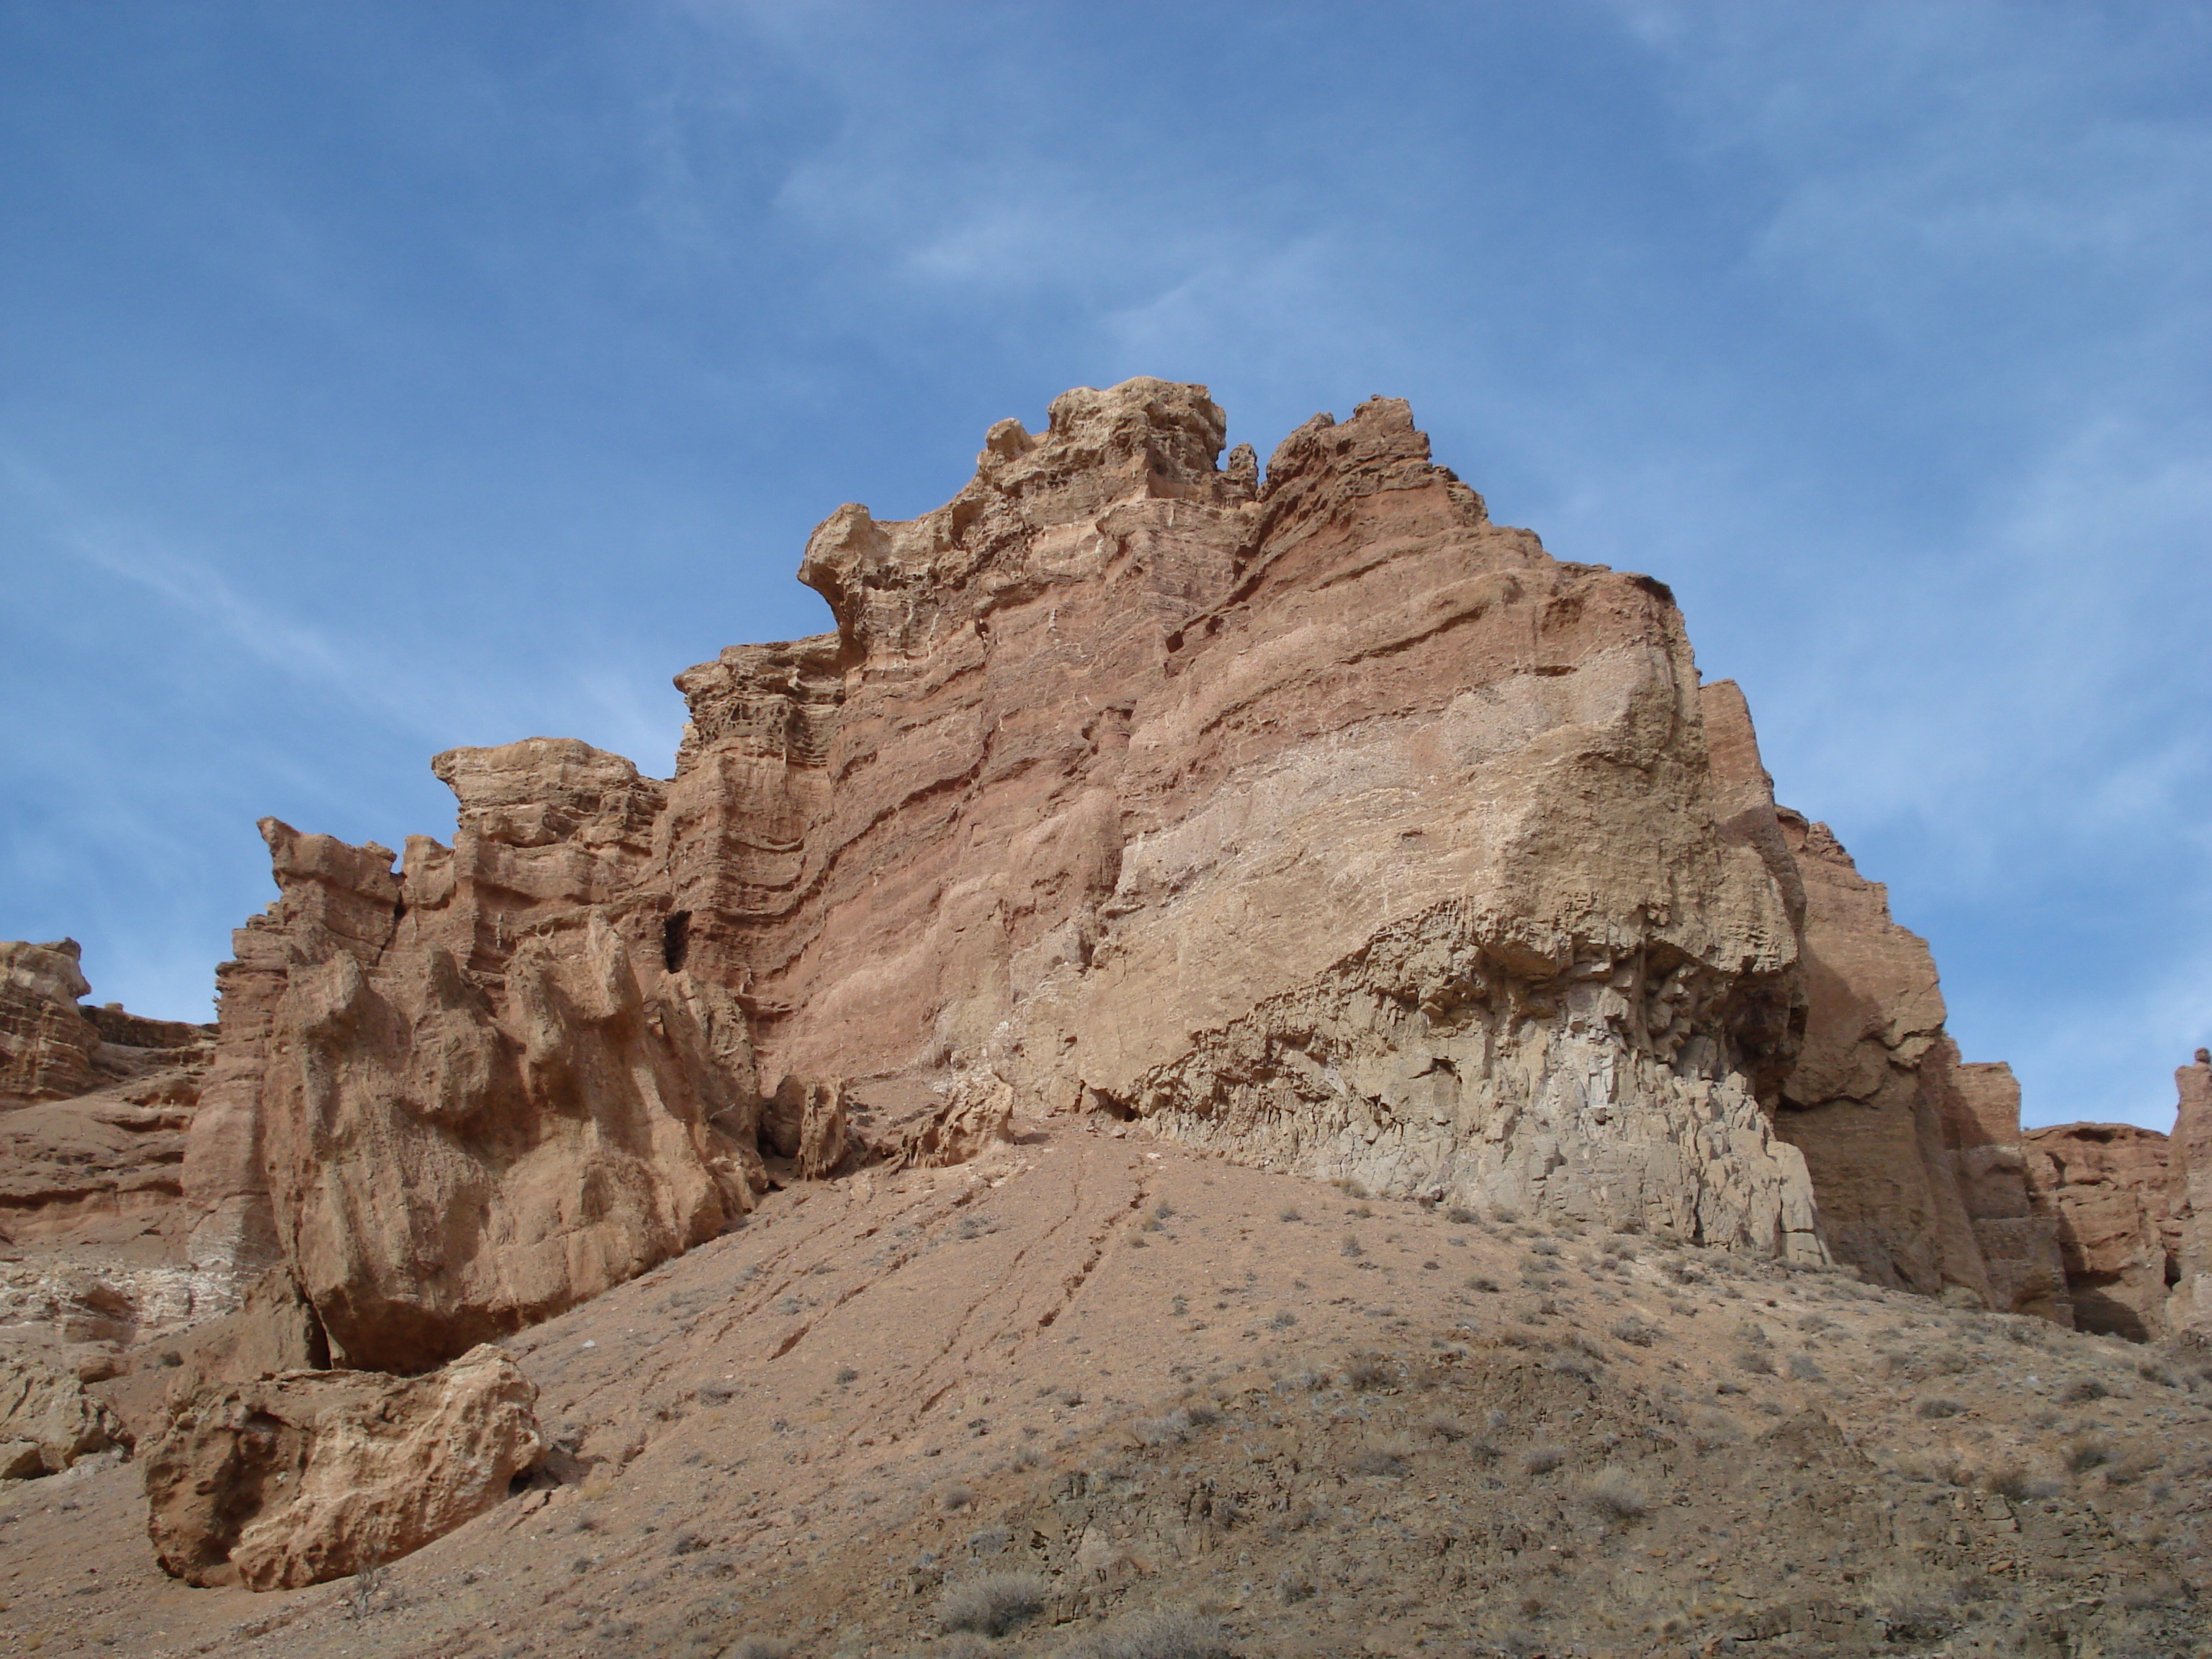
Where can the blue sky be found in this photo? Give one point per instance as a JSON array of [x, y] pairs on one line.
[[379, 378]]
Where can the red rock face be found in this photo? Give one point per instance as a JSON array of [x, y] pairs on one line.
[[1328, 824], [2189, 1201], [453, 1099], [47, 1044], [1915, 1155], [2108, 1186], [1322, 823]]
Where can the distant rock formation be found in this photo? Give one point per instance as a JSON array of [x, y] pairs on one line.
[[2133, 1210], [47, 1044], [94, 1112]]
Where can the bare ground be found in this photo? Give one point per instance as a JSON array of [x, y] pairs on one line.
[[1094, 1394]]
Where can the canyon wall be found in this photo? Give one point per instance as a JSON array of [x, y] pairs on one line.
[[1314, 819]]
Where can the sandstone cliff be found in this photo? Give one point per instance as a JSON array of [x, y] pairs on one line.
[[2133, 1210], [1313, 819]]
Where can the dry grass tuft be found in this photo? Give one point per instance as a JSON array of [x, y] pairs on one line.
[[993, 1604]]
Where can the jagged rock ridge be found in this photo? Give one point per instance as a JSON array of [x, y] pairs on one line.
[[1318, 820]]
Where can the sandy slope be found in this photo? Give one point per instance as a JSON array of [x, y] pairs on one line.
[[1329, 1425]]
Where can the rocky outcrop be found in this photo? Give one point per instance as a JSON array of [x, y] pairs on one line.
[[304, 1476], [453, 1098], [47, 1044], [1916, 1156], [1316, 820], [2108, 1186], [1324, 822], [90, 1172], [2189, 1202], [48, 1422]]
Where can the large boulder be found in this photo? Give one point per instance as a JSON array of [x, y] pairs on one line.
[[292, 1479], [47, 1421]]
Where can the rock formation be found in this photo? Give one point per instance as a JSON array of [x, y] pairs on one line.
[[1321, 822], [1317, 822], [2107, 1187], [48, 1422], [1326, 824], [47, 1044], [2133, 1210], [2189, 1201], [1915, 1154], [305, 1476], [455, 1098], [92, 1127]]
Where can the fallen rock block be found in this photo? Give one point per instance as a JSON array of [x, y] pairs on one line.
[[305, 1476], [47, 1421]]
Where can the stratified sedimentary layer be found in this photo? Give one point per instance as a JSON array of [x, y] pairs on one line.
[[1316, 820]]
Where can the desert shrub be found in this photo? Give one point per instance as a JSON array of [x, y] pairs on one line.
[[1614, 1496], [2082, 1391], [1545, 1247], [1505, 1212], [1756, 1361], [1378, 1460], [1294, 1588], [1575, 1365], [1364, 1374], [1350, 1246], [1289, 1212], [1172, 1430], [2131, 1468], [1543, 1460], [1803, 1370], [363, 1588], [1156, 1636], [955, 1497], [847, 1373], [1487, 1286], [1284, 1320], [1618, 1245], [1938, 1407], [994, 1604], [1635, 1332], [2088, 1452], [757, 1647], [1444, 1427], [1460, 1215]]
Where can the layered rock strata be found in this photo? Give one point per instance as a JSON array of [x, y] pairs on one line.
[[1316, 819], [93, 1131], [1324, 822]]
